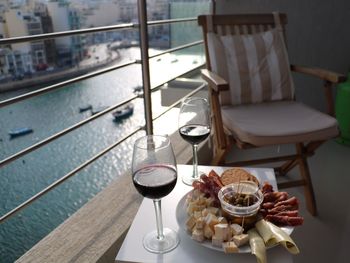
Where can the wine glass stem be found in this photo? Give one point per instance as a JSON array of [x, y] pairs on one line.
[[158, 209], [195, 161]]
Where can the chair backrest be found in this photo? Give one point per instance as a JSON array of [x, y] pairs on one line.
[[249, 25], [238, 24]]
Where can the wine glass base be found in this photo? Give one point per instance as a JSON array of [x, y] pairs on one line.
[[155, 245], [189, 179]]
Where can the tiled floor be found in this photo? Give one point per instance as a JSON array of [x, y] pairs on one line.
[[325, 238]]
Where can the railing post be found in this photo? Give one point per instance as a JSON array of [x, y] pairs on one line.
[[142, 10]]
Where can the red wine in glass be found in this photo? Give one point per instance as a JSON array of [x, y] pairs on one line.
[[155, 181], [194, 134]]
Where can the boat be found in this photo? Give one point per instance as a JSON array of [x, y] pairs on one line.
[[19, 132], [98, 109], [138, 89], [85, 108], [123, 113]]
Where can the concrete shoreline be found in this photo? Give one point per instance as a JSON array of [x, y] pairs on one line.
[[61, 75]]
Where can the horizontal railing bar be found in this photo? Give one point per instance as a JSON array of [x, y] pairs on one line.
[[13, 40], [63, 132], [180, 100], [195, 43], [67, 176], [170, 21], [63, 83]]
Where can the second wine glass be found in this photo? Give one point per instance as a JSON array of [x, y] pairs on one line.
[[194, 127]]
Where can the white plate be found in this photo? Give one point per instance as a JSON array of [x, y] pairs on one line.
[[181, 217]]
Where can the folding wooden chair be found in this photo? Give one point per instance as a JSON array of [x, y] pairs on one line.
[[252, 94]]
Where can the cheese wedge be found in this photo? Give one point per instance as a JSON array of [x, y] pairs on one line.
[[200, 223], [236, 229], [257, 246], [241, 239], [211, 220], [198, 235], [222, 231], [208, 232], [217, 242], [273, 235], [230, 247], [190, 223]]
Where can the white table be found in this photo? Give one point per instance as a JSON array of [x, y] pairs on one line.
[[188, 250]]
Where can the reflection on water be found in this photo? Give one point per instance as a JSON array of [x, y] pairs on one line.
[[50, 113]]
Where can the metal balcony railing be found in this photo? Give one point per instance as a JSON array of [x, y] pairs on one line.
[[142, 26]]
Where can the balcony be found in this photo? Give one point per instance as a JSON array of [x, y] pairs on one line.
[[95, 231]]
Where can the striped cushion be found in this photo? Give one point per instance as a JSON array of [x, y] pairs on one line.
[[256, 67]]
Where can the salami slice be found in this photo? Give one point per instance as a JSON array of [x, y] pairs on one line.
[[285, 220]]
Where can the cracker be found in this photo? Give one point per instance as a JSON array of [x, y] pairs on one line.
[[235, 175]]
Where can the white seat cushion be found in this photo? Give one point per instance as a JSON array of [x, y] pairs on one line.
[[278, 123]]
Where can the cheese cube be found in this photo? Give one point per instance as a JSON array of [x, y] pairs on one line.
[[198, 235], [190, 223], [202, 201], [211, 220], [230, 247], [222, 220], [200, 223], [193, 206], [241, 239], [210, 210], [209, 201], [208, 232], [205, 212], [222, 231], [236, 229], [213, 210], [196, 193], [217, 242], [190, 208], [197, 214]]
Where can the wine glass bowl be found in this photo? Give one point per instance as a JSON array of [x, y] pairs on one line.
[[194, 127], [154, 176]]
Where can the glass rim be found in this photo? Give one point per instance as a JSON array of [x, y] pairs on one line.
[[186, 100], [166, 141]]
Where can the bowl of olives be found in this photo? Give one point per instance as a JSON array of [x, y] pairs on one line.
[[240, 202]]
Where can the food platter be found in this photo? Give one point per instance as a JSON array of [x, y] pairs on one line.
[[181, 217]]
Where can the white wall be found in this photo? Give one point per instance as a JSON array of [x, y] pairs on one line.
[[60, 22], [318, 34], [106, 14], [16, 27]]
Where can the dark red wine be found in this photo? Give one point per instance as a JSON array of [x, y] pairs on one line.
[[194, 133], [155, 181]]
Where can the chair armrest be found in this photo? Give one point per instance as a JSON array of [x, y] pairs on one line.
[[215, 81], [323, 74]]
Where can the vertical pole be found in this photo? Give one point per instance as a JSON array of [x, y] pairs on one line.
[[212, 10], [142, 10]]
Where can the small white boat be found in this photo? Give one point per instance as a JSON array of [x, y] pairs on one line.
[[85, 107], [123, 113], [19, 132]]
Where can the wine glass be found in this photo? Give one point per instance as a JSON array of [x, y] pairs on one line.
[[154, 175], [194, 127]]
